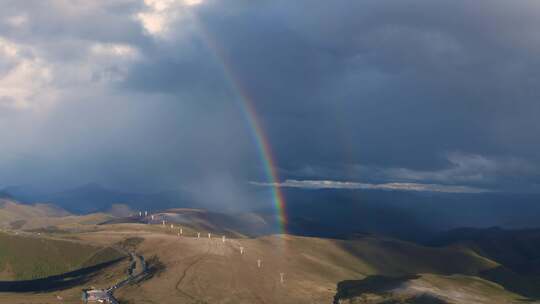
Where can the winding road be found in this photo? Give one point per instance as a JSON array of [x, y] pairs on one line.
[[137, 270], [138, 263]]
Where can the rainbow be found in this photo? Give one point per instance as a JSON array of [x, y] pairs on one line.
[[246, 105]]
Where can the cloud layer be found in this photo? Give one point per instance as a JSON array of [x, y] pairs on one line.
[[328, 184]]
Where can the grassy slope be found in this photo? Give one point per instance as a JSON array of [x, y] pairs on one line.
[[11, 211], [394, 257], [29, 217], [239, 225], [24, 258], [470, 271], [214, 272]]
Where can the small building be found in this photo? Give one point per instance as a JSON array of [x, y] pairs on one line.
[[98, 296]]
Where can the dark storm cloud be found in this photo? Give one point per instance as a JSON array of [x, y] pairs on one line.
[[391, 85], [362, 91]]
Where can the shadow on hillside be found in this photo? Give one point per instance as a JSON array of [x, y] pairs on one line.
[[374, 284], [154, 268], [62, 281], [517, 252], [527, 286]]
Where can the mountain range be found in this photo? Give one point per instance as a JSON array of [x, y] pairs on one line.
[[415, 216]]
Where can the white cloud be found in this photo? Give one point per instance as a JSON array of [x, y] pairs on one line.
[[153, 23], [26, 81], [160, 14], [328, 184], [29, 81], [192, 2], [8, 49]]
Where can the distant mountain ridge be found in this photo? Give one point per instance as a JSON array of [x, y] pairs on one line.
[[5, 195], [405, 215], [337, 213], [93, 197]]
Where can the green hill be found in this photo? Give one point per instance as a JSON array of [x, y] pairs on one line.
[[43, 217], [26, 258]]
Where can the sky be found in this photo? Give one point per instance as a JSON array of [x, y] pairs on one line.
[[147, 95]]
